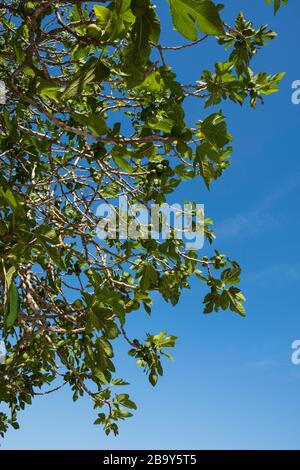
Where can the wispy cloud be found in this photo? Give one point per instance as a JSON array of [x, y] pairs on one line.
[[258, 218], [263, 363], [277, 273], [246, 223]]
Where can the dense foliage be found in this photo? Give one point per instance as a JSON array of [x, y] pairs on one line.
[[94, 111]]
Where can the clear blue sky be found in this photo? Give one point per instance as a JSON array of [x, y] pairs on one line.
[[232, 384]]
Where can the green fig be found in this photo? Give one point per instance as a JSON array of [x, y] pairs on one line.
[[139, 10], [93, 31], [135, 305]]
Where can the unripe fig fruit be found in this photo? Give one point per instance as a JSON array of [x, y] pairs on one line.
[[166, 68], [139, 10], [93, 31]]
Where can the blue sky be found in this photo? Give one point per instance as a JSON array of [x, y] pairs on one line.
[[232, 384]]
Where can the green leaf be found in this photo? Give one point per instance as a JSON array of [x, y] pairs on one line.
[[149, 277], [100, 375], [215, 130], [124, 400], [47, 234], [95, 123], [161, 122], [123, 164], [92, 72], [9, 277], [14, 305], [188, 14], [111, 330], [19, 52], [277, 4], [93, 321], [48, 89], [124, 10], [56, 256], [236, 298], [103, 15], [9, 197], [105, 346], [231, 276]]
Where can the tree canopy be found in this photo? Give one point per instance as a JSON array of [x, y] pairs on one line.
[[92, 111]]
